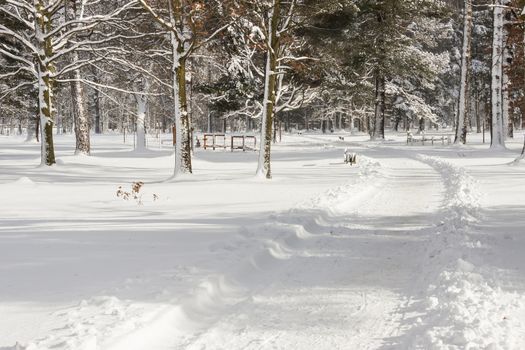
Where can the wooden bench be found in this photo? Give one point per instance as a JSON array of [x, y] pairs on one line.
[[214, 138], [243, 145], [411, 139]]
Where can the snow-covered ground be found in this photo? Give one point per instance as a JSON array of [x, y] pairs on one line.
[[415, 247]]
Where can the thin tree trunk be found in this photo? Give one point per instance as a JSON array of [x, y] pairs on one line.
[[498, 139], [378, 130], [77, 92], [461, 120], [505, 102], [478, 115], [140, 126], [79, 111], [37, 127], [99, 127], [264, 164]]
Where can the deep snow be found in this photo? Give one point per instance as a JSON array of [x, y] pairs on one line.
[[416, 247]]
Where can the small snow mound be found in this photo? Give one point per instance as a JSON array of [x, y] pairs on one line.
[[464, 311], [105, 301], [24, 180], [465, 266]]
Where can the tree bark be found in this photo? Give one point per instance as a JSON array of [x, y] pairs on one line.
[[140, 126], [461, 119], [182, 122], [264, 164], [184, 118], [99, 127], [83, 145], [478, 115], [378, 127], [498, 139], [77, 93], [505, 104], [46, 84]]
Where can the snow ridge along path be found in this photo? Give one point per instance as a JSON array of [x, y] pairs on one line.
[[463, 308]]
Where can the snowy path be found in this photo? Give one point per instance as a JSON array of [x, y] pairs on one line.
[[326, 279], [341, 288], [403, 253]]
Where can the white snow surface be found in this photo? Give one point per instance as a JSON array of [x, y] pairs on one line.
[[415, 247]]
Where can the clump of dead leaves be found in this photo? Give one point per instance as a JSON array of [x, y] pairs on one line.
[[134, 193]]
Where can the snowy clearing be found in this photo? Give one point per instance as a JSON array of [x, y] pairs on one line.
[[413, 248]]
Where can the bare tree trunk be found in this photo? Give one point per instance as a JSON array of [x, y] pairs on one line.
[[182, 122], [184, 118], [77, 92], [498, 139], [478, 115], [99, 127], [378, 127], [461, 119], [140, 126], [264, 164], [45, 85], [507, 60], [79, 111]]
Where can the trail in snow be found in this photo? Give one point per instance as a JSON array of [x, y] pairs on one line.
[[330, 274], [462, 308], [390, 260], [270, 248]]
